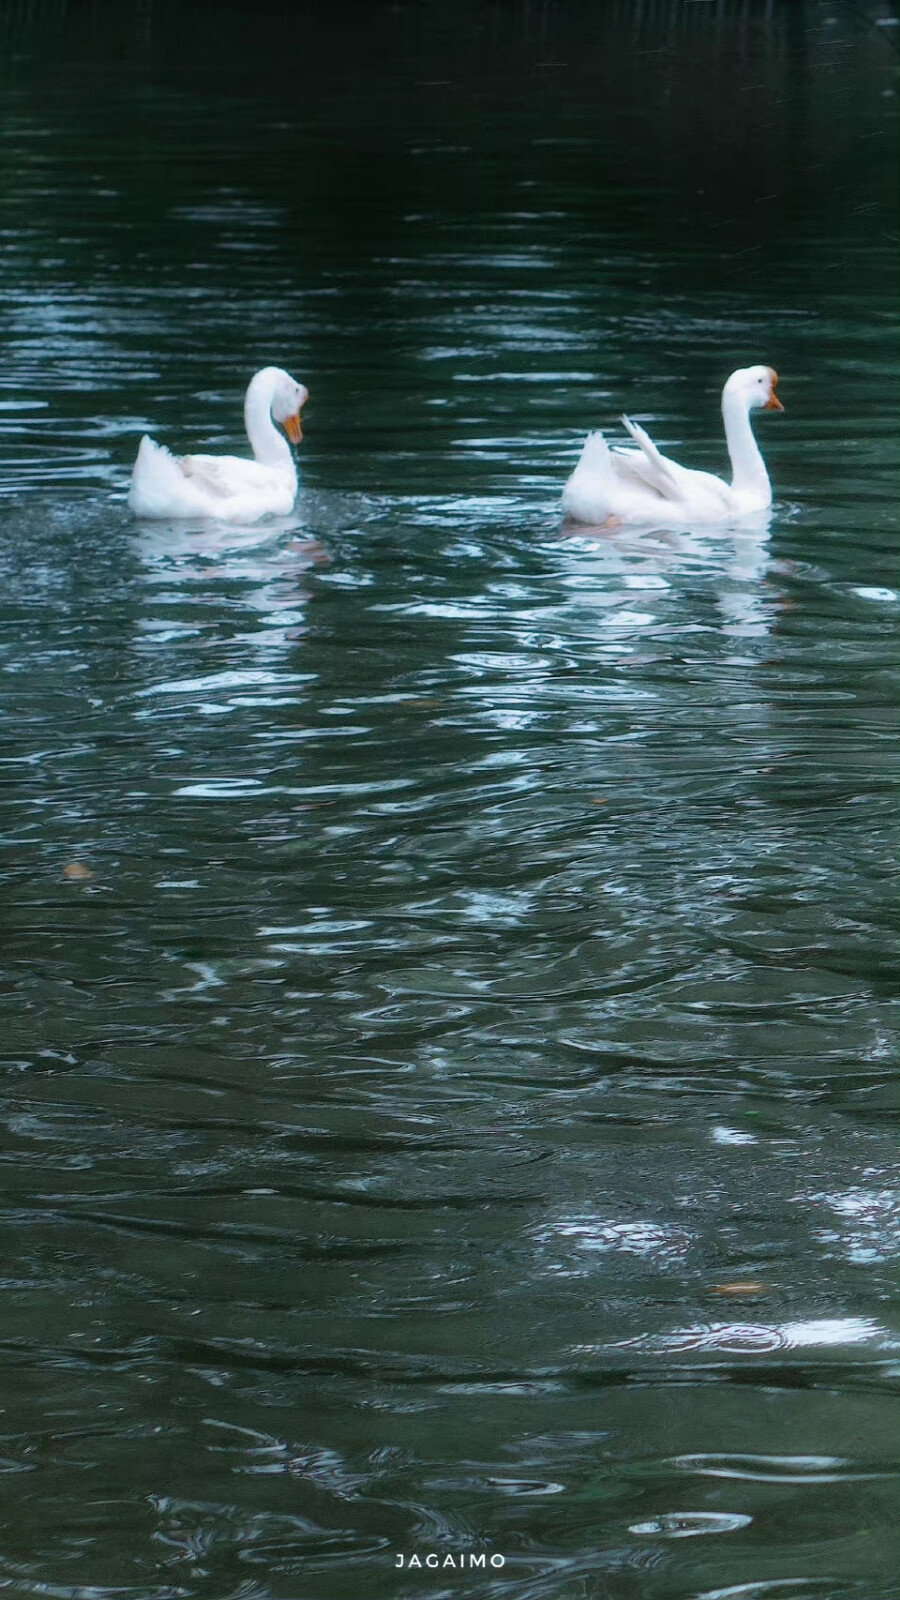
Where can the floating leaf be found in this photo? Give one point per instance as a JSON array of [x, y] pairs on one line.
[[740, 1288], [77, 872]]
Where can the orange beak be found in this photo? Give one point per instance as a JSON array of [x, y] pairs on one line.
[[292, 428], [773, 403]]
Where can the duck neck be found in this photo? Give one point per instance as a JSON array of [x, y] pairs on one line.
[[748, 470], [268, 445]]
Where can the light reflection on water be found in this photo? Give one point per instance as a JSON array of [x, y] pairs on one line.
[[449, 1013]]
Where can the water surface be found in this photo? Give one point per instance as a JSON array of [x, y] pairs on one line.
[[449, 1011]]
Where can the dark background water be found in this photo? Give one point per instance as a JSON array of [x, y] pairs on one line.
[[448, 1016]]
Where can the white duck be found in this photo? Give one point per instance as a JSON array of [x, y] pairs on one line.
[[229, 488], [613, 486]]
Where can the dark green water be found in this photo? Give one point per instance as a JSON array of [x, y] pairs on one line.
[[456, 1114]]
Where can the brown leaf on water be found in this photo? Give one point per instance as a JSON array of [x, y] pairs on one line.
[[740, 1288], [77, 872], [593, 800]]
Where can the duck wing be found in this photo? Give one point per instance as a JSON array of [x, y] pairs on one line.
[[631, 470], [224, 476], [649, 466], [702, 492]]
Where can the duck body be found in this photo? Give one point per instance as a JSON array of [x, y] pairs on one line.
[[616, 485], [229, 488]]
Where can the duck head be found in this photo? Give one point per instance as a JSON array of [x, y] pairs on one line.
[[288, 399], [755, 386]]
